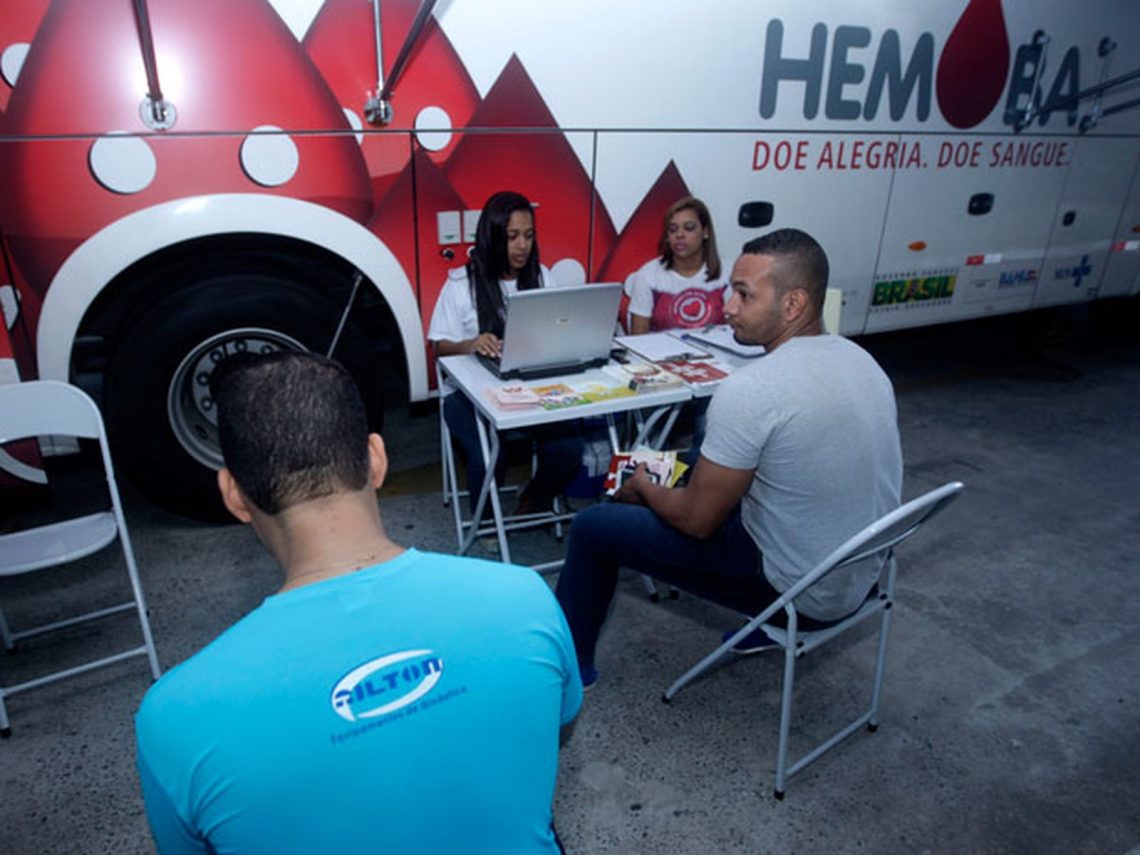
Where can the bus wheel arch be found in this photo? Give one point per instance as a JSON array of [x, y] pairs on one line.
[[171, 318]]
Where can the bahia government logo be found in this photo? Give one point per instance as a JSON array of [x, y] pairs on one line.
[[386, 684]]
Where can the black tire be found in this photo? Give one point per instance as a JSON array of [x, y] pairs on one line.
[[157, 404]]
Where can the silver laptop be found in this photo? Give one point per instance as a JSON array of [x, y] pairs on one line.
[[552, 331]]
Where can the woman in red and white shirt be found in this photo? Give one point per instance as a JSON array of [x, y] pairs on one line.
[[685, 287]]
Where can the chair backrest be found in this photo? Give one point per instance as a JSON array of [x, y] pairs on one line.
[[883, 534], [46, 407]]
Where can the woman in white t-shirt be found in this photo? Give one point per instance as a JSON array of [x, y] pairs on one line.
[[684, 287], [469, 317]]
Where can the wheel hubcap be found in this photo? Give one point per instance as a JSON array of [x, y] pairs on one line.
[[190, 406]]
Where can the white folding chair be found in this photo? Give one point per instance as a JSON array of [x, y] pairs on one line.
[[42, 408], [878, 538]]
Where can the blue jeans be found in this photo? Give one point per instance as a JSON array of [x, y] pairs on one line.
[[560, 447], [724, 568]]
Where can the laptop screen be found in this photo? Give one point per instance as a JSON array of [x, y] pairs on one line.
[[556, 326]]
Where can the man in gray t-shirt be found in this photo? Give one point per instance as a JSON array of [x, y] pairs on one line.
[[802, 451]]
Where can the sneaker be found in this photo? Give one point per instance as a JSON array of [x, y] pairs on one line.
[[756, 641], [589, 676]]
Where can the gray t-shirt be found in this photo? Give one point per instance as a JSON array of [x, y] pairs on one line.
[[816, 419]]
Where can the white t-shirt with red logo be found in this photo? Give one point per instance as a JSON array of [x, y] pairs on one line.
[[673, 301]]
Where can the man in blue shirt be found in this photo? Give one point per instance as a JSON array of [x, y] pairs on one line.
[[384, 700]]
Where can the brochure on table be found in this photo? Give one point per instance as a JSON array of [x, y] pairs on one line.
[[661, 346], [701, 357], [615, 380], [557, 396], [696, 372], [720, 337]]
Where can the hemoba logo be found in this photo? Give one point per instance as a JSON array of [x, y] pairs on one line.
[[973, 71], [386, 684]]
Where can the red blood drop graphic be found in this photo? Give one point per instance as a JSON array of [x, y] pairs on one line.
[[398, 221], [638, 241], [227, 65], [18, 25], [342, 44], [541, 165], [31, 302], [973, 66], [396, 216]]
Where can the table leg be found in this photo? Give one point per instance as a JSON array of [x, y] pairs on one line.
[[489, 447], [645, 426]]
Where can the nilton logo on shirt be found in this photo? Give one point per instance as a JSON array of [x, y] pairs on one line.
[[386, 684]]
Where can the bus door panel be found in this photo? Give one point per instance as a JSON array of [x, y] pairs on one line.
[[965, 234], [1085, 226]]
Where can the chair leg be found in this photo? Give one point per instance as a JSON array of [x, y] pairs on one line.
[[880, 668], [559, 502], [451, 492], [6, 636], [5, 633], [785, 716], [445, 461], [699, 669], [140, 598]]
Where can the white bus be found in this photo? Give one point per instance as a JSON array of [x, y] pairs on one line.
[[180, 181]]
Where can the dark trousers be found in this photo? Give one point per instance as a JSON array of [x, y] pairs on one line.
[[560, 447], [724, 568]]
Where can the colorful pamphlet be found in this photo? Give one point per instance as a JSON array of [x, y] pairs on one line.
[[706, 371], [557, 396], [642, 376], [663, 467], [598, 392], [513, 396]]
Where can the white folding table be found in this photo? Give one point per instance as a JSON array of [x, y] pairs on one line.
[[475, 381]]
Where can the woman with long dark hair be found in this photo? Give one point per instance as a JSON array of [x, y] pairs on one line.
[[469, 317]]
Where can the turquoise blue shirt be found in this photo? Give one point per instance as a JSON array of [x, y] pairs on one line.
[[413, 706]]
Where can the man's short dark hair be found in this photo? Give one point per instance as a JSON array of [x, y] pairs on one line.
[[292, 428], [801, 262]]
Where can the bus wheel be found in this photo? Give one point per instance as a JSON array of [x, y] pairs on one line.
[[160, 414]]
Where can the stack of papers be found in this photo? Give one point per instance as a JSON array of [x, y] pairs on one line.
[[514, 396], [660, 346], [721, 337]]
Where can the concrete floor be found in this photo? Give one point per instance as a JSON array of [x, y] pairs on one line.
[[1009, 718]]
